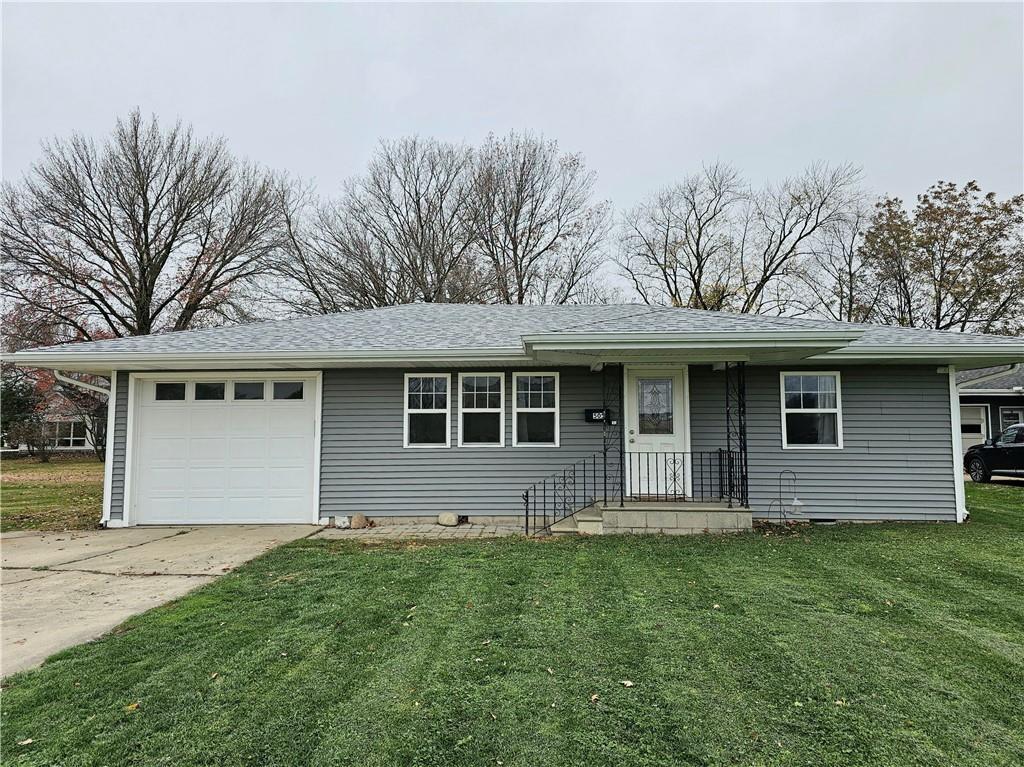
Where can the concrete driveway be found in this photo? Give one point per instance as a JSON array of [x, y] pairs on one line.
[[61, 589]]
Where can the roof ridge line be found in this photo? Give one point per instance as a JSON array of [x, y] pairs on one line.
[[641, 311]]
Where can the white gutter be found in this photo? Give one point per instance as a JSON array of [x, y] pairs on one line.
[[991, 376], [80, 384], [700, 339], [1012, 353], [126, 360]]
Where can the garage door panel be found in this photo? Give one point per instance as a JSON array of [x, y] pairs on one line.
[[164, 448], [292, 479], [201, 480], [170, 479], [163, 421], [224, 461], [208, 448], [271, 509], [208, 421], [245, 419], [242, 478], [284, 421], [287, 448], [248, 448]]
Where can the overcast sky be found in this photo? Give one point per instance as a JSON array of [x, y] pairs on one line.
[[912, 93]]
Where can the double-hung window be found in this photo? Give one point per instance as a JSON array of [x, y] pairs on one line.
[[535, 403], [427, 413], [482, 409], [812, 415]]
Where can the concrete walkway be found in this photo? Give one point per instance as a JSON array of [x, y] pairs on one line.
[[61, 589], [420, 532]]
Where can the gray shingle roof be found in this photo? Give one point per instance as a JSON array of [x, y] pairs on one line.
[[438, 327], [1012, 377]]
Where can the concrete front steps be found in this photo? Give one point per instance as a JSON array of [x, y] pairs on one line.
[[647, 517]]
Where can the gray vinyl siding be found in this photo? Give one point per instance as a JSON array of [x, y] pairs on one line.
[[365, 468], [118, 442], [896, 460]]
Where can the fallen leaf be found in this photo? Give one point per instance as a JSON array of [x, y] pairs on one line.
[[133, 706], [486, 642], [478, 660], [24, 742], [551, 671], [214, 675], [626, 683], [595, 698], [716, 607]]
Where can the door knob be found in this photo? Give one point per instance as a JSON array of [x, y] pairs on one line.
[[631, 431], [632, 440]]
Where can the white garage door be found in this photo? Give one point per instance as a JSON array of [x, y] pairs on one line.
[[224, 450], [973, 425]]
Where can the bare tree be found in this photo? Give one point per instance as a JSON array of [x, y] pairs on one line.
[[837, 278], [954, 263], [711, 242], [679, 247], [778, 228], [534, 220], [399, 233], [152, 230]]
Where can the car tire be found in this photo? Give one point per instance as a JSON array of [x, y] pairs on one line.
[[978, 470]]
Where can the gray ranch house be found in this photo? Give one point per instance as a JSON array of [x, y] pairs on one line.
[[559, 418]]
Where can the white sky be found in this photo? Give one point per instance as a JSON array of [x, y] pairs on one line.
[[912, 93]]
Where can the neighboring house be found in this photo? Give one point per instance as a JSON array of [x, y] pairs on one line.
[[66, 429], [991, 400], [493, 411]]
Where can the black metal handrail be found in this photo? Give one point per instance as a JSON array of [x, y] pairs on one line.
[[692, 476], [573, 488], [655, 476]]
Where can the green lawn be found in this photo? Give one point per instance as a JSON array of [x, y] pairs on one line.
[[64, 494], [848, 645]]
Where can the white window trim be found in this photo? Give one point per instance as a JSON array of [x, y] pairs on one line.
[[1007, 407], [516, 409], [500, 410], [447, 412], [838, 409]]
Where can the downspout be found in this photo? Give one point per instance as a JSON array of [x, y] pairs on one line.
[[80, 384], [108, 457], [959, 492]]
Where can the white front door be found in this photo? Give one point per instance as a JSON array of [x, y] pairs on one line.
[[657, 435], [973, 425], [218, 449]]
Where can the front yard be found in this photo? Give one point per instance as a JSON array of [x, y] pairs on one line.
[[856, 645], [64, 494]]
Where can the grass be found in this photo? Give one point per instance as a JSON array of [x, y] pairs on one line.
[[848, 645], [64, 494]]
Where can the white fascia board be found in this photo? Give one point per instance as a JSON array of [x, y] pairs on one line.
[[980, 355], [771, 339], [87, 361]]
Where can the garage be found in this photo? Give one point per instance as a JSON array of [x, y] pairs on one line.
[[223, 449], [973, 425]]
